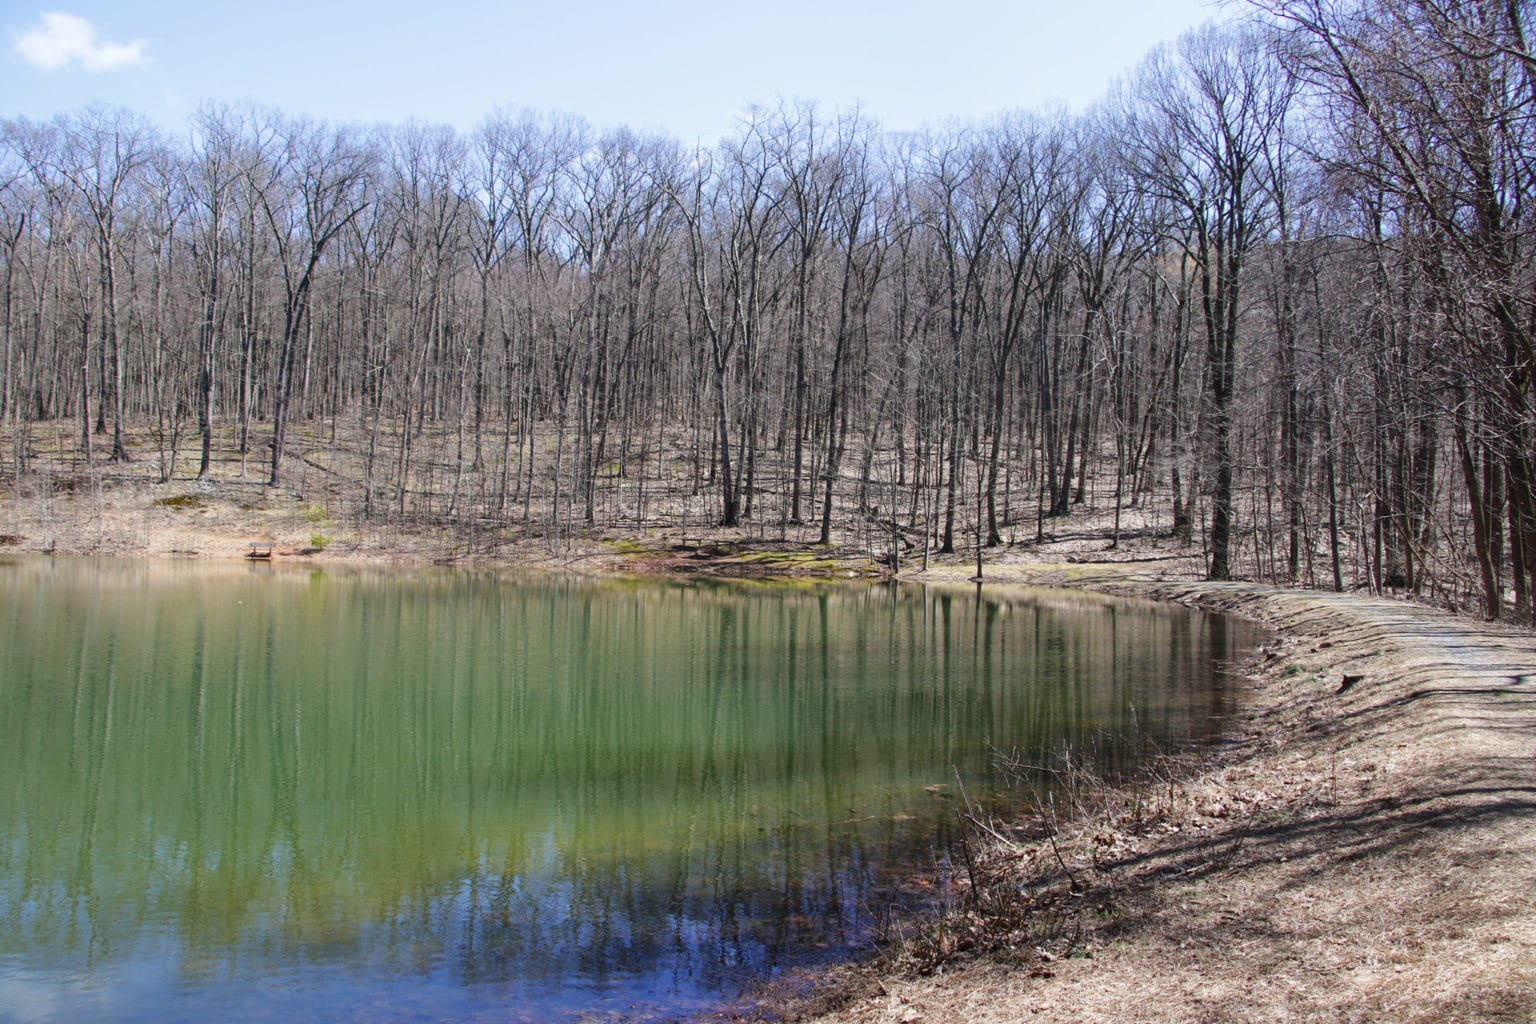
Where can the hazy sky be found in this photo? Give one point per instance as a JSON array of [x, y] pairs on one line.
[[682, 66]]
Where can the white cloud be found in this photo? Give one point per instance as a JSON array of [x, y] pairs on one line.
[[62, 40]]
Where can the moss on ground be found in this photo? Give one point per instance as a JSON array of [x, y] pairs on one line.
[[181, 501]]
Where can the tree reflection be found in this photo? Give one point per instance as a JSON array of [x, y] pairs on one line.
[[557, 790]]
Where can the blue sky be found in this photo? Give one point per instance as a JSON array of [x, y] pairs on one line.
[[681, 66]]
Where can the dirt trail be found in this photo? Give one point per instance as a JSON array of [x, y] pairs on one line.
[[1382, 863]]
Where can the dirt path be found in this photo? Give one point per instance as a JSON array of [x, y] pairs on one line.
[[1364, 855]]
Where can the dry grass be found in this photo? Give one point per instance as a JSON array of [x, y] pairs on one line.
[[1364, 855]]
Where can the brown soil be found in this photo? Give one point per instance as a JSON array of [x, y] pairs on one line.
[[1365, 849]]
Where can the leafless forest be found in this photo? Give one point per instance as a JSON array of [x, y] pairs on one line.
[[1277, 282]]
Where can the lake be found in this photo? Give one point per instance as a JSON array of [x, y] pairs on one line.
[[263, 793]]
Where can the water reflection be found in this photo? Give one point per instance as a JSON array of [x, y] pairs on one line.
[[447, 795]]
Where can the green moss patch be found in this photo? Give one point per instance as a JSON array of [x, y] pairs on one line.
[[627, 546], [181, 501]]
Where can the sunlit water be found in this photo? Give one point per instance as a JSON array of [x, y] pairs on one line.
[[257, 794]]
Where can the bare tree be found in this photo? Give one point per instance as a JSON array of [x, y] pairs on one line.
[[101, 154], [1444, 93], [214, 172], [1199, 121], [309, 192]]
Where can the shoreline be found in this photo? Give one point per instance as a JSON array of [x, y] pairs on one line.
[[1365, 851]]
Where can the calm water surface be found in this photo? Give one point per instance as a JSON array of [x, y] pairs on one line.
[[265, 794]]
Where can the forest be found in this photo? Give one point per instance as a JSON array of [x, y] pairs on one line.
[[1277, 283]]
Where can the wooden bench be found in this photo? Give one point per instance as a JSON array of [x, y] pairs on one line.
[[260, 549]]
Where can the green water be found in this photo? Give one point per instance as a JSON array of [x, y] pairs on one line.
[[256, 793]]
